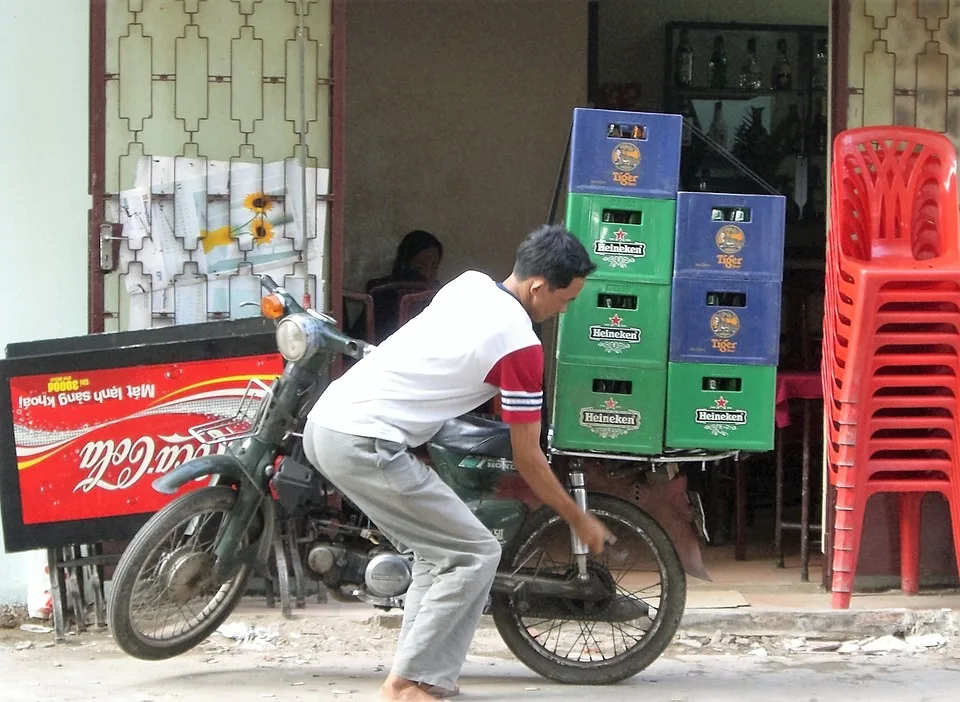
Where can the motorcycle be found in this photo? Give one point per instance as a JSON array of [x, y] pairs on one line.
[[566, 615]]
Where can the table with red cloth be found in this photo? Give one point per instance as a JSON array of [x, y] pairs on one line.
[[803, 385], [806, 386]]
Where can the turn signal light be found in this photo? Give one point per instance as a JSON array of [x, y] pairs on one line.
[[271, 306]]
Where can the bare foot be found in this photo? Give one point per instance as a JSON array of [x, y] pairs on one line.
[[441, 693], [403, 690]]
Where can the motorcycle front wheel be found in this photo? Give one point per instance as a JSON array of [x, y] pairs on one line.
[[569, 641], [164, 600]]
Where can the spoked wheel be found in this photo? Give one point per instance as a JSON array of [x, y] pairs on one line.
[[603, 642], [164, 598]]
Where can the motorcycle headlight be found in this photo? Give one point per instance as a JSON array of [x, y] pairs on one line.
[[297, 336]]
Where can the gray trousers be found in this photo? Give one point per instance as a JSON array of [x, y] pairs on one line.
[[455, 556]]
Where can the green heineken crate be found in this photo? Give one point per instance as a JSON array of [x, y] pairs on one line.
[[719, 406], [626, 324], [611, 409], [629, 238]]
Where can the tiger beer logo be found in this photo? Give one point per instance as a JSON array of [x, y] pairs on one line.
[[616, 332], [724, 324], [610, 421], [626, 159], [730, 240], [721, 419]]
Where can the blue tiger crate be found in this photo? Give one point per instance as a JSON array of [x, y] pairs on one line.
[[633, 154], [723, 234], [725, 320]]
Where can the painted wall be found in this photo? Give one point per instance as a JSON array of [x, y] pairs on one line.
[[457, 118], [43, 178]]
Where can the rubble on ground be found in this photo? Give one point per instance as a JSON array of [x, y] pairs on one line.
[[761, 646], [12, 617], [306, 639]]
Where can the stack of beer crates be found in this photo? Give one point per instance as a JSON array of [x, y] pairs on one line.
[[725, 321], [613, 340], [674, 341]]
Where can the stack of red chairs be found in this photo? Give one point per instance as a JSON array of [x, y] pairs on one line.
[[891, 343]]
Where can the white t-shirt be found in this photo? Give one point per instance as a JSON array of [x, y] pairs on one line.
[[472, 339]]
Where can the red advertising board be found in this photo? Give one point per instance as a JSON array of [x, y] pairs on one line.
[[89, 443]]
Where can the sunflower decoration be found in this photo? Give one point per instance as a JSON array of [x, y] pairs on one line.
[[260, 203], [261, 230]]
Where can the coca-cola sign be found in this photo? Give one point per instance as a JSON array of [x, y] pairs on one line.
[[134, 459], [90, 444]]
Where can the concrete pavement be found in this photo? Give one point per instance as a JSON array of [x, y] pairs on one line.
[[96, 671]]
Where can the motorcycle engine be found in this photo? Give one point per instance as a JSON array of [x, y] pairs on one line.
[[387, 575], [300, 489], [384, 574]]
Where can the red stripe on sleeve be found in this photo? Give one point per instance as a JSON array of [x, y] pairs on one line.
[[519, 375]]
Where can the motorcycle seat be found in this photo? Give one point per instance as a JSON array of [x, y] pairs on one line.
[[477, 436]]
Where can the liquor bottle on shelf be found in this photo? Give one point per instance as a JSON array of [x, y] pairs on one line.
[[818, 128], [718, 64], [690, 118], [789, 132], [703, 182], [683, 68], [782, 78], [718, 125], [820, 71], [750, 71], [818, 193]]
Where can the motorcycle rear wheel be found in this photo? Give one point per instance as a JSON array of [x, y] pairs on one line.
[[579, 659], [166, 576]]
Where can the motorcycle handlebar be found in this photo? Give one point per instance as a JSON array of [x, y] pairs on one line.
[[334, 339], [337, 341], [268, 283]]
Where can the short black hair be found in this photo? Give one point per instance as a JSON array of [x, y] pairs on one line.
[[553, 253]]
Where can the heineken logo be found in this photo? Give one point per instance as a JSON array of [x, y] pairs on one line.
[[720, 420], [637, 249], [615, 332], [708, 416], [604, 418], [610, 421]]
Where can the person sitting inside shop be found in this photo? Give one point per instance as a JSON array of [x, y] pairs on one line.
[[414, 270]]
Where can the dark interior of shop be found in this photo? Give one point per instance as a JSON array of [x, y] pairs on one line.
[[750, 77]]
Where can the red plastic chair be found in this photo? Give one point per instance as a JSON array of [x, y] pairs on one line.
[[887, 371], [906, 455], [855, 485], [894, 222], [896, 188], [891, 339], [916, 428]]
